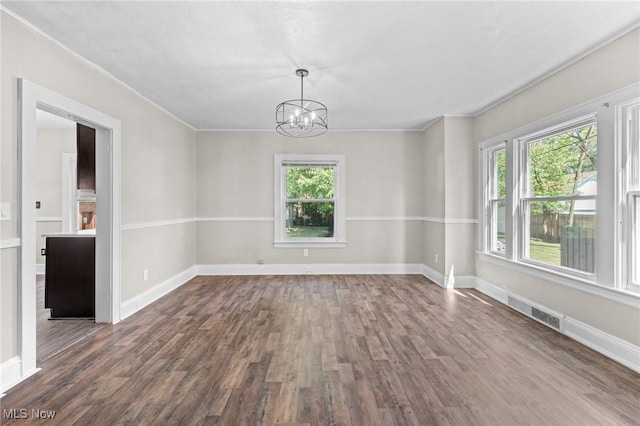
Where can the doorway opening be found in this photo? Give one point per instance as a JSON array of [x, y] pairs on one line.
[[65, 204], [107, 207]]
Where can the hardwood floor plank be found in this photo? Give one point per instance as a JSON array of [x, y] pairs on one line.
[[328, 350], [53, 336]]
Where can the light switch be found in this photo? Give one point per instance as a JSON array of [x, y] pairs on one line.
[[5, 211]]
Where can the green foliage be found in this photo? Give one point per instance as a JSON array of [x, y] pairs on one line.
[[544, 251], [312, 183], [557, 162], [309, 232], [501, 170], [309, 182]]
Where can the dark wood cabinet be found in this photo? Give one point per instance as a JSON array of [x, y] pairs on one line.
[[70, 277], [86, 147]]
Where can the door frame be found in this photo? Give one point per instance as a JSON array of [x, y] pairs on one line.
[[108, 268]]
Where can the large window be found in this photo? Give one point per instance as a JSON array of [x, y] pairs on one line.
[[309, 209], [558, 196], [561, 196]]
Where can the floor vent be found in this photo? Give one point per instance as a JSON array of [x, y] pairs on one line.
[[550, 319]]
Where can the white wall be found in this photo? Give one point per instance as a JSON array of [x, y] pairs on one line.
[[157, 167], [384, 180], [51, 144], [434, 196], [460, 207], [449, 163], [611, 68]]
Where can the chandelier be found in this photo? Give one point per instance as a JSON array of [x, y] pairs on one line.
[[301, 118]]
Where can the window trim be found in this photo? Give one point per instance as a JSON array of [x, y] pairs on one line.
[[281, 161]]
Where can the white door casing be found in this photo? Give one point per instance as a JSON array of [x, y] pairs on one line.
[[108, 133]]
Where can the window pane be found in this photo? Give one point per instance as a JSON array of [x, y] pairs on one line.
[[309, 220], [497, 226], [565, 163], [499, 161], [559, 236], [310, 182]]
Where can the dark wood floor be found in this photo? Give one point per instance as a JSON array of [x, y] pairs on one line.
[[325, 350], [57, 335]]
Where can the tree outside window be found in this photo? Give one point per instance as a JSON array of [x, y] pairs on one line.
[[310, 204], [560, 200]]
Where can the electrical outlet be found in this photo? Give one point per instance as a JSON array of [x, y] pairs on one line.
[[145, 274], [37, 204], [437, 258], [305, 252]]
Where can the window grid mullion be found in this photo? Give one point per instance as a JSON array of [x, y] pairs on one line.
[[560, 198], [310, 200]]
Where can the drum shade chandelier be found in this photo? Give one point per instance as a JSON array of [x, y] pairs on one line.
[[301, 118]]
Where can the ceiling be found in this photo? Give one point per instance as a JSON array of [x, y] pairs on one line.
[[376, 65]]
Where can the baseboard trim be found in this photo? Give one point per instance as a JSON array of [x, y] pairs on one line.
[[491, 290], [10, 373], [433, 275], [142, 300], [463, 281], [608, 345], [310, 269]]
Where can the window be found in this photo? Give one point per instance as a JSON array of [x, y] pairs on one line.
[[497, 200], [559, 185], [630, 192], [309, 204], [561, 196]]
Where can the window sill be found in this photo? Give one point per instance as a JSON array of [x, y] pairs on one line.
[[309, 244], [625, 297]]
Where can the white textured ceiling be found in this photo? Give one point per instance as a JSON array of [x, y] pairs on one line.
[[376, 65]]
